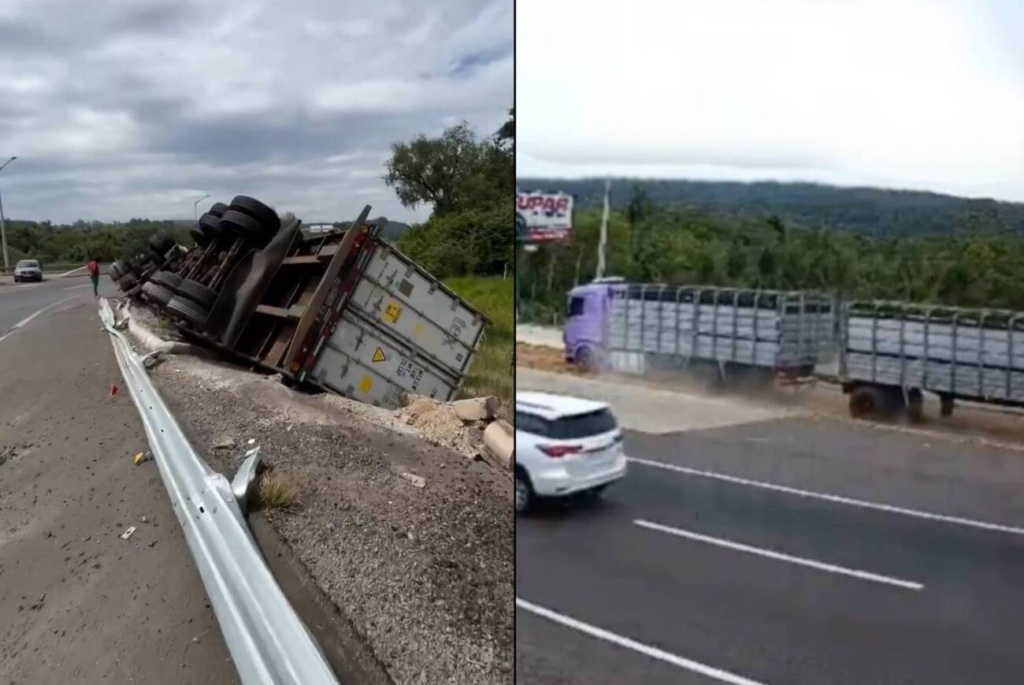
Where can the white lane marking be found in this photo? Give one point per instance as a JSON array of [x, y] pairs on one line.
[[73, 271], [779, 556], [29, 318], [76, 287], [836, 499], [652, 652]]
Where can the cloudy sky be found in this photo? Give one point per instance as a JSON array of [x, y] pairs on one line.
[[925, 94], [139, 107]]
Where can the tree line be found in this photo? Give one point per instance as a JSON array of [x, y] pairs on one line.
[[648, 243], [81, 241], [871, 211], [470, 183]]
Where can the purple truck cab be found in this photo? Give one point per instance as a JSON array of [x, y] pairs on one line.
[[586, 310]]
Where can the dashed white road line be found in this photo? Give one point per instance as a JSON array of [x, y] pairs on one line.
[[29, 318], [652, 652], [778, 556], [76, 287], [835, 499]]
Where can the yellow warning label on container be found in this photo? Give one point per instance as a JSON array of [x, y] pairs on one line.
[[392, 312], [378, 356], [365, 384]]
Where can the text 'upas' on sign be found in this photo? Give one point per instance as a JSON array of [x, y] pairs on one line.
[[543, 217]]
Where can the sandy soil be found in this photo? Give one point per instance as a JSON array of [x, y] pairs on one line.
[[967, 422], [425, 574]]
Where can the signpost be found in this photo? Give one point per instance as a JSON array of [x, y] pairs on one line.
[[541, 218]]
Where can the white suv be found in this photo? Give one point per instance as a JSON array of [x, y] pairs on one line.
[[564, 446]]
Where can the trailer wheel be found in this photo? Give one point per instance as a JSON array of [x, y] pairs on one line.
[[157, 294], [187, 310], [586, 360], [257, 210], [210, 225], [945, 405], [868, 401], [169, 280], [161, 242], [915, 406], [200, 238], [197, 292], [252, 230]]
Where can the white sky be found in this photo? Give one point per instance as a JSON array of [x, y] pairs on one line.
[[925, 94]]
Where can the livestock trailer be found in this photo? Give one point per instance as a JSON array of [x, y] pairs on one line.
[[891, 352], [717, 334]]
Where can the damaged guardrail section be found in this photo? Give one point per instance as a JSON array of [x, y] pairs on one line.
[[268, 642]]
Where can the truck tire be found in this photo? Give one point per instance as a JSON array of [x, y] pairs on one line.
[[198, 237], [525, 499], [218, 209], [169, 280], [157, 294], [197, 292], [586, 359], [915, 406], [257, 210], [127, 282], [210, 225], [875, 402], [187, 310], [242, 224], [116, 270], [161, 243]]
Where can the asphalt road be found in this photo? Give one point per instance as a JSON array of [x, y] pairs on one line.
[[20, 301], [77, 603], [756, 554]]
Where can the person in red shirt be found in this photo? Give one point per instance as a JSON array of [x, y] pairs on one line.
[[94, 275]]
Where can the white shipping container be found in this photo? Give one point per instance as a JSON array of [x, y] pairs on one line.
[[416, 308], [364, 363]]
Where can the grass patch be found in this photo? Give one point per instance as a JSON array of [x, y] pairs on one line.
[[277, 491], [492, 372]]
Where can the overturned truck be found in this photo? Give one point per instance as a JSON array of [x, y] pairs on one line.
[[342, 311]]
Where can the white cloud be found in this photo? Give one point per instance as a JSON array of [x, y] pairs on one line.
[[915, 94], [116, 112]]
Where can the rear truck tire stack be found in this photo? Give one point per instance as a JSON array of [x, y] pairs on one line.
[[222, 236]]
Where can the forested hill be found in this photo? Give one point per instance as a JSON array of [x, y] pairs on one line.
[[866, 210]]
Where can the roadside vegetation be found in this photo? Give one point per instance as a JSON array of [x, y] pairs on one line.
[[492, 372], [468, 241], [682, 245]]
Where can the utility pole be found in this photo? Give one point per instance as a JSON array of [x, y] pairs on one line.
[[602, 245], [195, 206], [3, 225]]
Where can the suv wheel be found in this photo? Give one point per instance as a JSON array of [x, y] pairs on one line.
[[524, 493]]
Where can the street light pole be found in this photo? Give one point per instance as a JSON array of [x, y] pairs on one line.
[[195, 205], [3, 225]]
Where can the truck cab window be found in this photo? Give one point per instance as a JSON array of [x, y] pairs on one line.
[[574, 307]]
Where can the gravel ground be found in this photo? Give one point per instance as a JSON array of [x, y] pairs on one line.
[[425, 574]]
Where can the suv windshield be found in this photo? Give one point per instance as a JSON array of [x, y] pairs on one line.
[[28, 264]]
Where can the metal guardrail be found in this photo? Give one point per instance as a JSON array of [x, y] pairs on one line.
[[267, 640]]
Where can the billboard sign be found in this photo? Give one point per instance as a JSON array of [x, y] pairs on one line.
[[543, 217]]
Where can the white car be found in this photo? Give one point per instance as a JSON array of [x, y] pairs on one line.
[[564, 446]]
